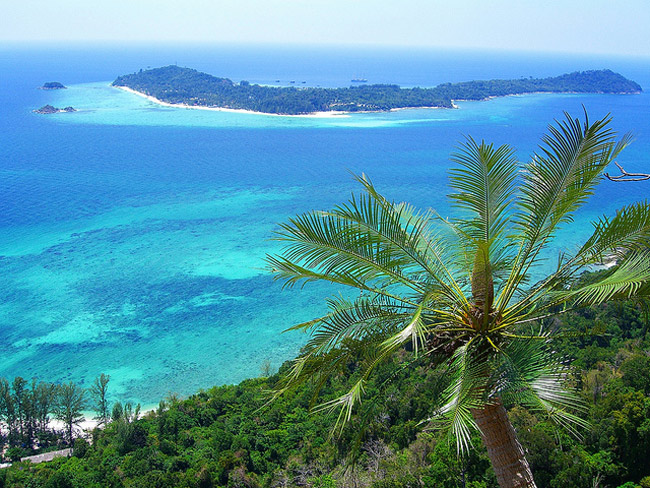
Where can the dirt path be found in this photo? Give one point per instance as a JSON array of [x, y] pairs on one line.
[[47, 456]]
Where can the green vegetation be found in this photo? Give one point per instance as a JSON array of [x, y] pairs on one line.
[[456, 294], [69, 407], [227, 437], [25, 409], [173, 84], [99, 392]]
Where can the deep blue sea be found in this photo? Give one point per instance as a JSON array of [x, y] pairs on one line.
[[132, 236]]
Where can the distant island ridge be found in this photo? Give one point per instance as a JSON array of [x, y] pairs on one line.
[[188, 87]]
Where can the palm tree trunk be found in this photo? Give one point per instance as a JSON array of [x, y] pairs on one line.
[[504, 450]]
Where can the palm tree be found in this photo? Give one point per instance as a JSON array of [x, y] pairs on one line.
[[459, 293]]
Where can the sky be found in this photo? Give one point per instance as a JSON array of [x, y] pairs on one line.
[[617, 27]]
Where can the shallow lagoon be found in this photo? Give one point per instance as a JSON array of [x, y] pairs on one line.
[[133, 235]]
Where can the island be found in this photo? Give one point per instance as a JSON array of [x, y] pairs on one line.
[[49, 109], [191, 88], [53, 85]]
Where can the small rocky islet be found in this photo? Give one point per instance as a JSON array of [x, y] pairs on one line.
[[53, 85], [49, 109]]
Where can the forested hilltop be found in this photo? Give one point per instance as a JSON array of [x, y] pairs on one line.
[[228, 437], [173, 84]]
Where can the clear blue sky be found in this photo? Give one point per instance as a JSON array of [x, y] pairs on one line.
[[575, 26]]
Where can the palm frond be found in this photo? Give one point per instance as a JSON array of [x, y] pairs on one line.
[[556, 183], [345, 404], [564, 175], [466, 391], [529, 374], [356, 320], [628, 230], [372, 357], [484, 185], [613, 238], [411, 231], [368, 242], [332, 246], [630, 278], [414, 331], [293, 274]]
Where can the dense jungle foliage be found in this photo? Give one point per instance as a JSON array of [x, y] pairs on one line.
[[173, 84], [230, 437]]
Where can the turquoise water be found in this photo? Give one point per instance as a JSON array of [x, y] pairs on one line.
[[133, 236]]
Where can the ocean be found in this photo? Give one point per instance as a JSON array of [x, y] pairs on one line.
[[133, 236]]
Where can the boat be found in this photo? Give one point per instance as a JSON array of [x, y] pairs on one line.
[[359, 80]]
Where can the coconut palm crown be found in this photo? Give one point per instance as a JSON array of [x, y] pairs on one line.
[[458, 292]]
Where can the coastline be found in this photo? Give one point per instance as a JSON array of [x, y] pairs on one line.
[[328, 114], [231, 110]]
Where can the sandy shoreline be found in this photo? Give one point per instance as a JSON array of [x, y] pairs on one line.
[[85, 427], [232, 110], [329, 114]]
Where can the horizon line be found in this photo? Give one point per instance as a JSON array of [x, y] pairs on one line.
[[304, 46]]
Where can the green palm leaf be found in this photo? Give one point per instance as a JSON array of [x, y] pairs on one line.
[[484, 184], [555, 184], [399, 225], [466, 391], [345, 404], [628, 230], [529, 374], [631, 278], [367, 240], [356, 320]]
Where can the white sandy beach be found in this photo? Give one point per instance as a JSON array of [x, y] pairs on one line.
[[89, 422], [233, 110]]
